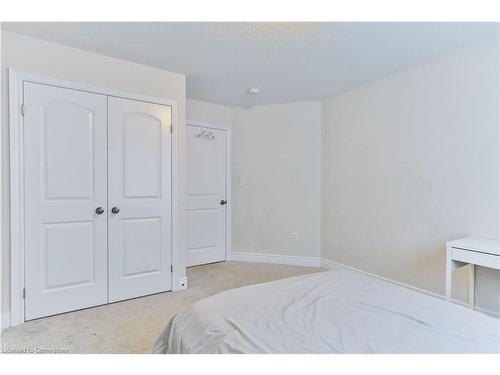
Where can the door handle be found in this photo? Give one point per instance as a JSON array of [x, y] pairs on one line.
[[223, 202], [99, 211], [115, 210]]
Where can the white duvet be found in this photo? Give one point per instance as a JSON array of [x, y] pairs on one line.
[[337, 311]]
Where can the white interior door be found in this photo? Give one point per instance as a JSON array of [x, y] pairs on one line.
[[206, 195], [65, 181], [139, 151]]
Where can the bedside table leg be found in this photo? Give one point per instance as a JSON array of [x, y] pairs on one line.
[[472, 276], [448, 274]]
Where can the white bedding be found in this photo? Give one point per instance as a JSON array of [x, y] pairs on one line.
[[337, 311]]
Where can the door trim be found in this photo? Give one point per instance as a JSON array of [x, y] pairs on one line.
[[229, 204], [16, 153]]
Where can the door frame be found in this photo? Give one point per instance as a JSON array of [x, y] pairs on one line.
[[17, 194], [227, 129]]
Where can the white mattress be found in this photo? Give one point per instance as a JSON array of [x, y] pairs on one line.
[[337, 311]]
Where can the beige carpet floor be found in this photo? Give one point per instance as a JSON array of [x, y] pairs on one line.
[[132, 326]]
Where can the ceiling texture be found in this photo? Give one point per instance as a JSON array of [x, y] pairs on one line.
[[288, 61]]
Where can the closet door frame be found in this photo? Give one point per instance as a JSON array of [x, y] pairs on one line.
[[17, 204]]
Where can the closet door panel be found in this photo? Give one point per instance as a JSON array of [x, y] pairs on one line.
[[65, 156], [139, 150]]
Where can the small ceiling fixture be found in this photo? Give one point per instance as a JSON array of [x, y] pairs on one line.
[[253, 91]]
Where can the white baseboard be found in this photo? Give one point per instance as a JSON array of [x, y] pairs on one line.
[[4, 321], [487, 311], [275, 259], [329, 264]]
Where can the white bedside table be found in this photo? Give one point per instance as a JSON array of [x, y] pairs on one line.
[[474, 252]]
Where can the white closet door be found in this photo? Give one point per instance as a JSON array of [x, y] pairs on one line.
[[65, 181], [139, 151], [206, 201]]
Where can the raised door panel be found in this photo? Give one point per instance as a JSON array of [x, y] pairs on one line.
[[65, 181], [140, 188], [142, 247], [142, 156], [203, 172], [68, 254], [206, 187], [69, 172]]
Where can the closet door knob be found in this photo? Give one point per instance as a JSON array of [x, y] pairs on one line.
[[223, 202], [99, 211], [115, 210]]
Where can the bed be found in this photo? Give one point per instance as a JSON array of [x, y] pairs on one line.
[[338, 311]]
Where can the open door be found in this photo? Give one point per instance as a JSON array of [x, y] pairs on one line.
[[206, 195]]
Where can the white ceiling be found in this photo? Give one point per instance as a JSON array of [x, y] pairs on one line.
[[287, 61]]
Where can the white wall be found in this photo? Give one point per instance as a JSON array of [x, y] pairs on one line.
[[209, 112], [411, 161], [37, 56], [276, 148]]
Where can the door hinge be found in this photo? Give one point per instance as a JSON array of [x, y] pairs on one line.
[[23, 109], [171, 128], [24, 293], [171, 268]]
